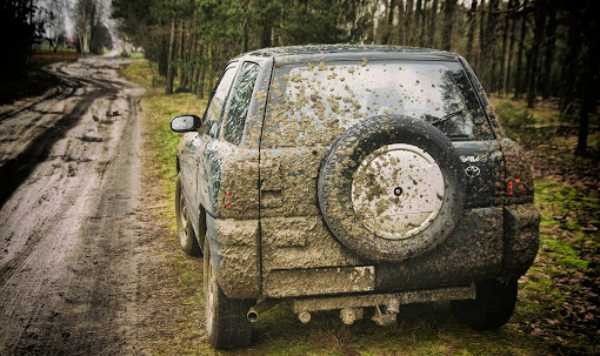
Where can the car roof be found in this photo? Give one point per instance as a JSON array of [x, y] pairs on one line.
[[349, 52]]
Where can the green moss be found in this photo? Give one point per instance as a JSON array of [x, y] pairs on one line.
[[564, 254]]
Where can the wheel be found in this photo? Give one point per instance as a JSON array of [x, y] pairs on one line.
[[185, 232], [493, 306], [226, 324], [391, 188]]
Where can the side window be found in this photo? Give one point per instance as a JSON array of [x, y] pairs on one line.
[[239, 102], [215, 108]]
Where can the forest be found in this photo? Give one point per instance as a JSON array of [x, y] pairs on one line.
[[523, 48], [531, 49]]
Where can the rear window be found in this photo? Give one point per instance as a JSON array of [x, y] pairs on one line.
[[313, 103]]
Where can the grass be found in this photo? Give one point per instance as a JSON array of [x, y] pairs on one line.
[[567, 213]]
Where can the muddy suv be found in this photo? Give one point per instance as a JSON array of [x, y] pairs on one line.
[[352, 178]]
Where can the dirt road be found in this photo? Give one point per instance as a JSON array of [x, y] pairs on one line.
[[71, 239]]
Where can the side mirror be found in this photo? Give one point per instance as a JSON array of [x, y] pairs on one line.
[[185, 123]]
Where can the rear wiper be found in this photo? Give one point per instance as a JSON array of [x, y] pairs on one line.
[[447, 117]]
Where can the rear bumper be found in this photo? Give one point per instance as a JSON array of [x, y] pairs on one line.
[[489, 243], [521, 238]]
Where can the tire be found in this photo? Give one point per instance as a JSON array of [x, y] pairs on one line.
[[493, 306], [185, 232], [391, 188], [227, 326]]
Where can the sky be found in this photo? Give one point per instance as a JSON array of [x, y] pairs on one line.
[[69, 22]]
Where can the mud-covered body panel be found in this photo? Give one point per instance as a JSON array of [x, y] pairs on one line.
[[234, 253], [473, 252], [319, 281], [521, 238]]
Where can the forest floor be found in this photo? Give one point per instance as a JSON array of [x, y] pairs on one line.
[[89, 261], [558, 306]]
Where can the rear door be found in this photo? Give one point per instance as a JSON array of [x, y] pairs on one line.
[[230, 165], [199, 143], [311, 104]]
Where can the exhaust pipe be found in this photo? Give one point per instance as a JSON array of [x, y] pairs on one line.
[[252, 315]]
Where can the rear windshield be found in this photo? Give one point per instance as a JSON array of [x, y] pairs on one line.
[[313, 103]]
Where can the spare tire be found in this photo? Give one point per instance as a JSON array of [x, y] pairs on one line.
[[391, 188]]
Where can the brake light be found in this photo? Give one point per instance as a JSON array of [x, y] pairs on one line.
[[515, 184]]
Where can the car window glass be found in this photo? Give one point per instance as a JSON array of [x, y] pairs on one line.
[[314, 103], [239, 102], [215, 108]]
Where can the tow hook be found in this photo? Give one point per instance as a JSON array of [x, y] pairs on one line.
[[389, 317]]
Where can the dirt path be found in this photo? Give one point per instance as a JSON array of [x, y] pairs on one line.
[[71, 240]]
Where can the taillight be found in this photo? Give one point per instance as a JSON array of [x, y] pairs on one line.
[[515, 188]]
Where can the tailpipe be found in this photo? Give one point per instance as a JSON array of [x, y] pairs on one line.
[[252, 315]]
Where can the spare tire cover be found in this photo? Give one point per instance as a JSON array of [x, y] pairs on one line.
[[391, 188]]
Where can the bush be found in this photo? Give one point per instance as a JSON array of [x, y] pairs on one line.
[[513, 118]]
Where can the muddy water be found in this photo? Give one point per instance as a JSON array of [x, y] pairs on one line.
[[70, 250]]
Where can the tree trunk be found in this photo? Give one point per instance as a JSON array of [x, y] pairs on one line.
[[491, 47], [538, 36], [201, 74], [418, 19], [550, 45], [171, 55], [433, 24], [511, 43], [423, 30], [372, 30], [163, 56], [267, 31], [408, 13], [471, 33], [390, 22], [505, 31], [400, 28], [519, 81], [181, 61], [570, 60], [448, 24], [591, 74], [245, 35], [482, 41]]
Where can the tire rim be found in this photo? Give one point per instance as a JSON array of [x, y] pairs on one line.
[[397, 191]]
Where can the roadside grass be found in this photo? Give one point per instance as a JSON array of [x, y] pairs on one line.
[[540, 325], [156, 111]]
